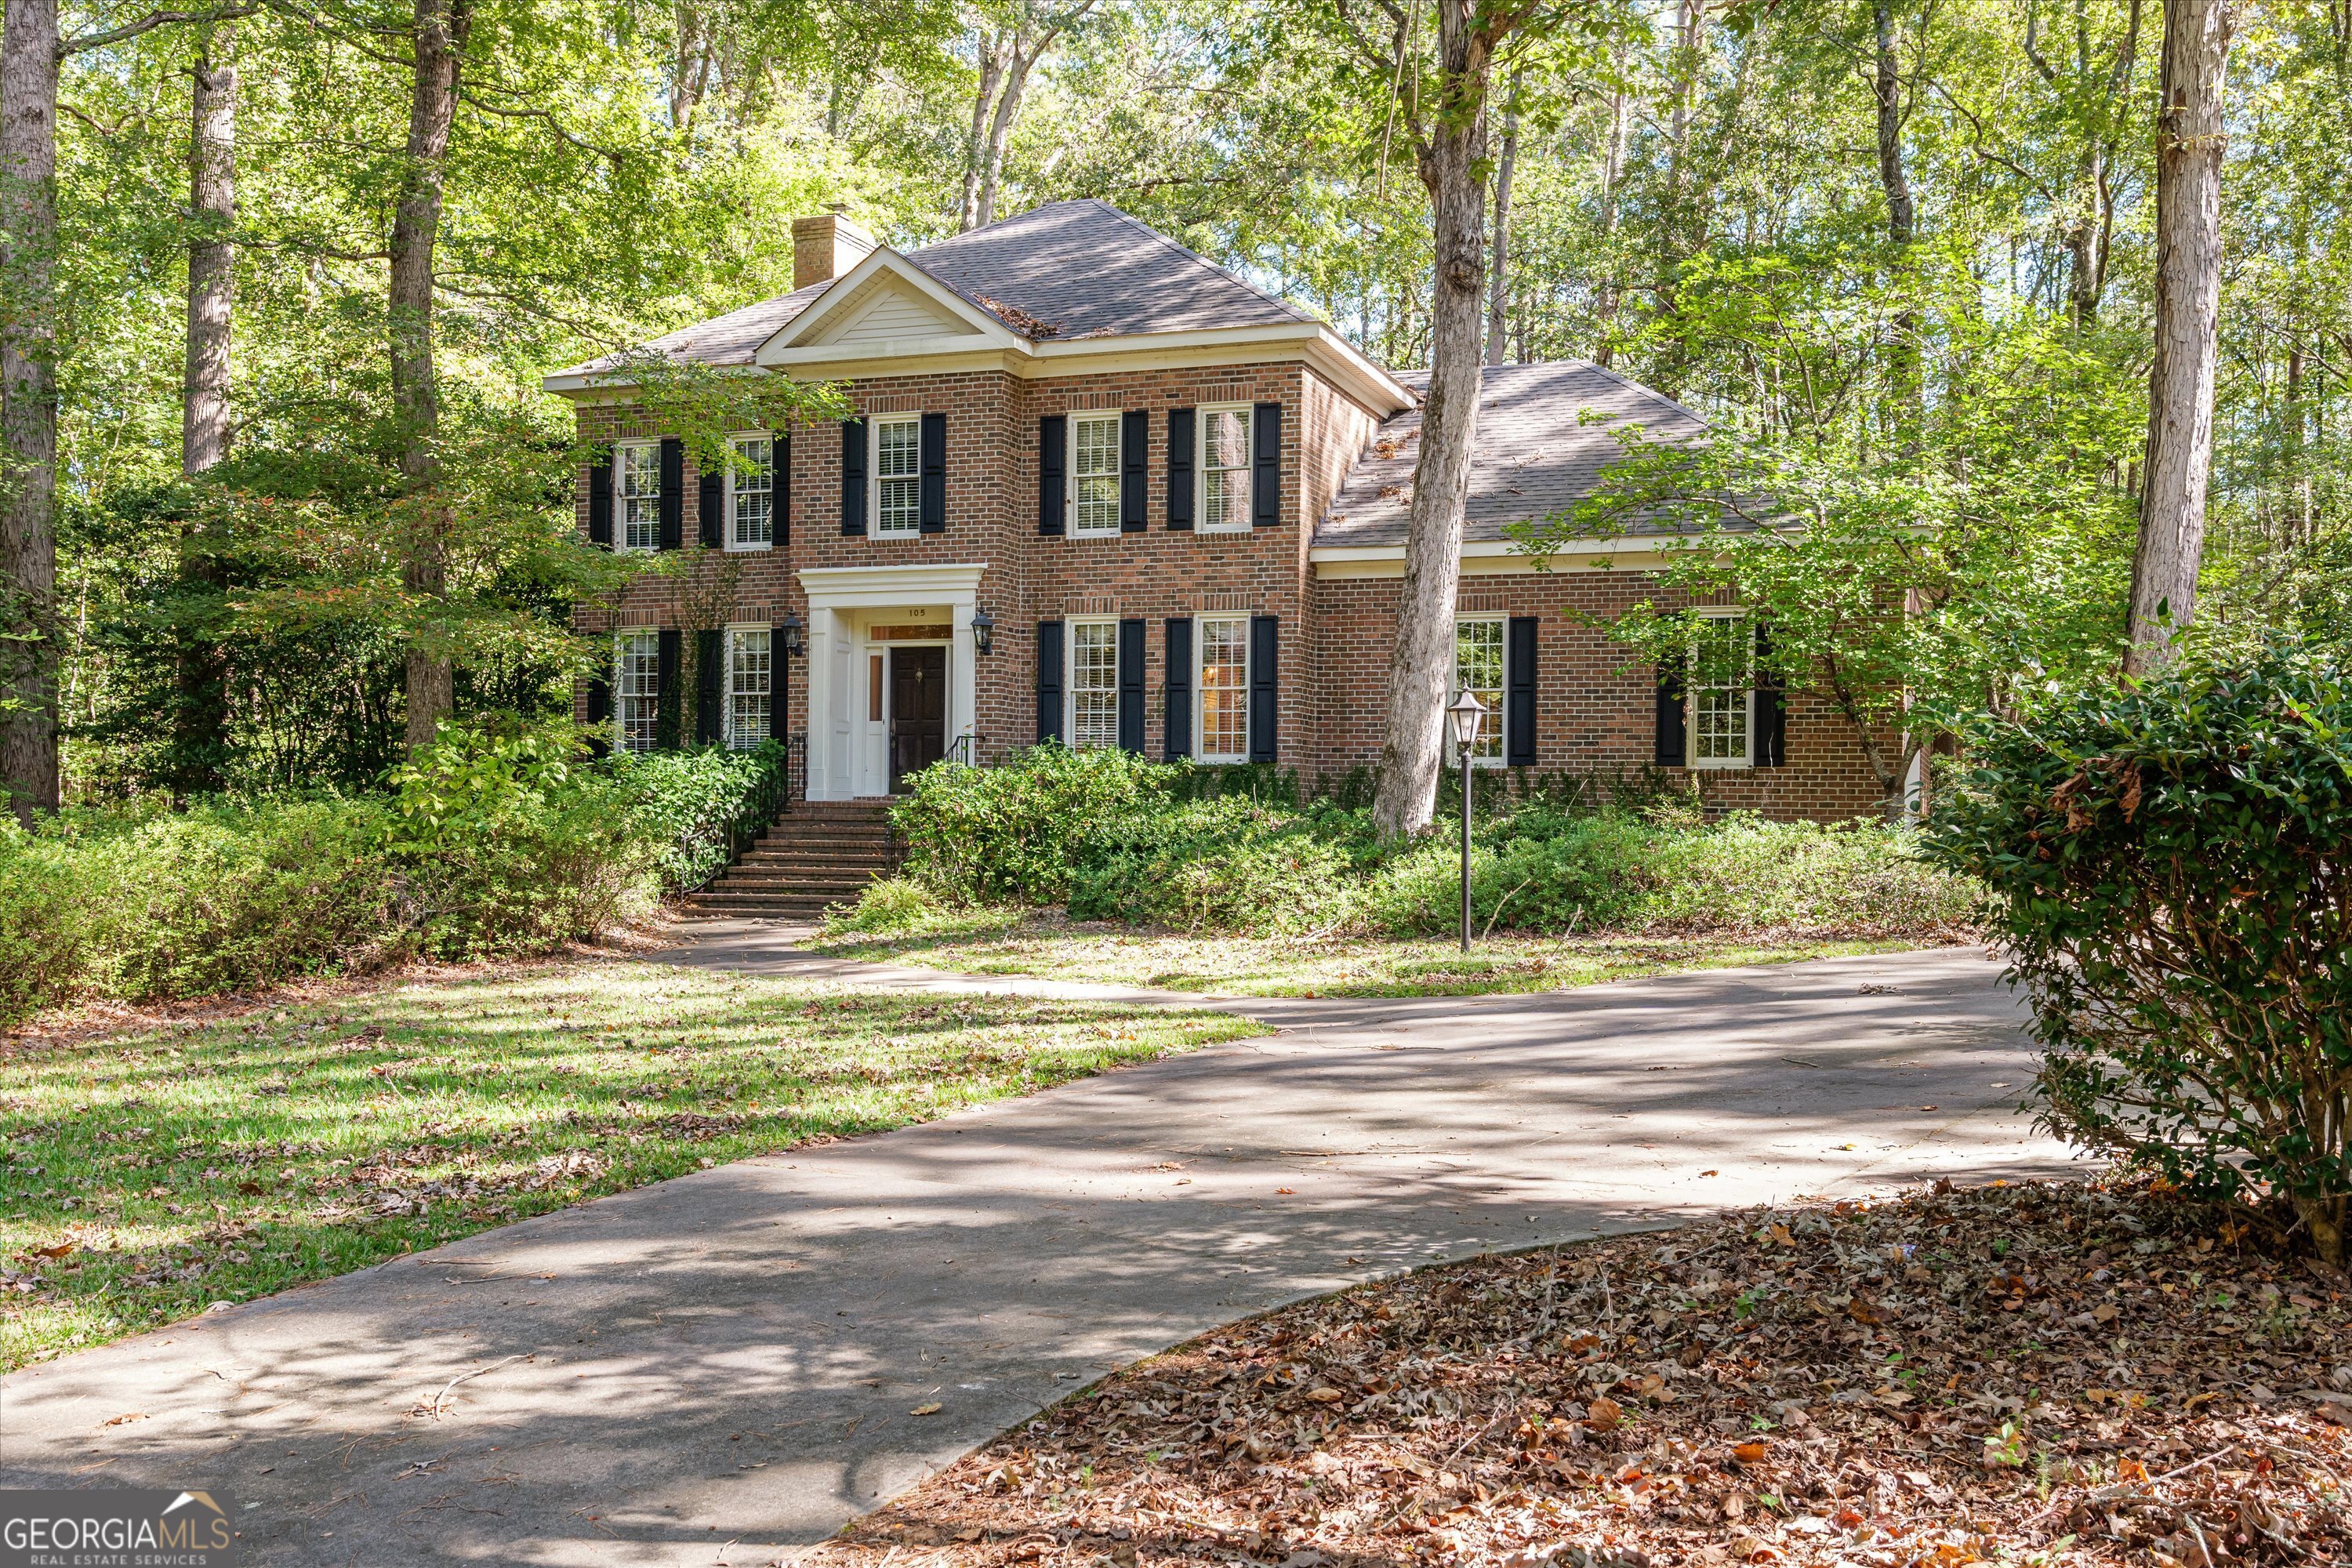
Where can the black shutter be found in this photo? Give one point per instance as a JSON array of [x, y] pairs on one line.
[[853, 476], [1178, 688], [668, 712], [1131, 686], [1052, 475], [932, 495], [710, 501], [1180, 469], [1049, 681], [780, 487], [673, 495], [1265, 633], [1674, 731], [1519, 693], [1772, 748], [600, 495], [1265, 459], [600, 706], [710, 670], [780, 672], [1134, 469]]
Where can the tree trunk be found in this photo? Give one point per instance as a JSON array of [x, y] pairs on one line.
[[28, 407], [440, 36], [1453, 155], [2189, 141], [1604, 305], [200, 719], [1000, 130], [992, 73], [1887, 90], [1498, 292]]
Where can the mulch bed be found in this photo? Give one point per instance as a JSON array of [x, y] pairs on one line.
[[2044, 1374]]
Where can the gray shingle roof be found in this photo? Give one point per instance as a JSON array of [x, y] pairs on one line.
[[1533, 456], [1083, 267]]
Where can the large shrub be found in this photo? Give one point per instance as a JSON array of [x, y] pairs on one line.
[[2168, 872], [685, 804], [1016, 832]]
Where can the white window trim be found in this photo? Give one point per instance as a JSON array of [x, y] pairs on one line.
[[727, 504], [874, 423], [1201, 523], [1118, 473], [727, 685], [1070, 678], [1201, 751], [1690, 702], [1491, 725], [621, 499], [620, 713]]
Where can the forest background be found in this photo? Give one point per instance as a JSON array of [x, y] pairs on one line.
[[1900, 252]]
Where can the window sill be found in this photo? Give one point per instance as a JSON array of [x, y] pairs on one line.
[[761, 548], [1096, 532], [1223, 528], [1721, 766]]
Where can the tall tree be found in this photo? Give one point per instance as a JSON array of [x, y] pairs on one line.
[[1498, 291], [438, 43], [2190, 137], [28, 405], [200, 713], [1009, 51]]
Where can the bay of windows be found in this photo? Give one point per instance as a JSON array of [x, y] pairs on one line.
[[1093, 473], [897, 476], [1223, 697], [1094, 685]]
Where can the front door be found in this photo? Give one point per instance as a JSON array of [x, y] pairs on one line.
[[918, 711]]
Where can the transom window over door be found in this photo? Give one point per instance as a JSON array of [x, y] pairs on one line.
[[1721, 686], [752, 480], [1094, 685], [750, 685], [639, 489], [1224, 690], [1094, 472], [636, 689], [1226, 469], [1479, 664], [898, 474]]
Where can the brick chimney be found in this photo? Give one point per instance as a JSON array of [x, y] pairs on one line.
[[826, 246]]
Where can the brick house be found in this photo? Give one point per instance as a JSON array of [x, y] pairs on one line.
[[1102, 491]]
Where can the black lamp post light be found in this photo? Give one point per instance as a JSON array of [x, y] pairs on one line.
[[1467, 714], [983, 631], [795, 634]]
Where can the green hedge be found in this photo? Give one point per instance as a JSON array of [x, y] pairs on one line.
[[1116, 838], [498, 841]]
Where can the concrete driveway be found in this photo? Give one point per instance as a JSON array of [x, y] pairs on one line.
[[708, 1370]]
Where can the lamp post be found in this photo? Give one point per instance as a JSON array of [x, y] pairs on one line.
[[1465, 714]]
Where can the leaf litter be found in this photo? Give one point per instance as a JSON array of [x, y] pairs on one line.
[[2043, 1375]]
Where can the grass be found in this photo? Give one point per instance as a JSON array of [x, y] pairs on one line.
[[150, 1173], [1006, 941]]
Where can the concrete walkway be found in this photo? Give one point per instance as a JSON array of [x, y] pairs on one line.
[[707, 1370]]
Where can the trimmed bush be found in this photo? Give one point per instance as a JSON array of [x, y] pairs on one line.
[[682, 803], [1016, 832], [2168, 871]]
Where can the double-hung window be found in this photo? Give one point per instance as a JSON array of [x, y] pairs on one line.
[[637, 484], [750, 493], [897, 476], [1223, 690], [750, 685], [1721, 692], [1094, 472], [636, 689], [1479, 664], [1094, 685], [1224, 469]]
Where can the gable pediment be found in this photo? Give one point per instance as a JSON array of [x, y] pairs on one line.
[[884, 304], [887, 309]]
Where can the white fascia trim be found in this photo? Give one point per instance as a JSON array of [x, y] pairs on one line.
[[1490, 556], [610, 386], [880, 587], [850, 285]]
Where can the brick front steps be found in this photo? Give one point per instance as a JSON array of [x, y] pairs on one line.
[[816, 856]]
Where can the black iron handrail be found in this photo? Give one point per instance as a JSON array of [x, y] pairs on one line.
[[783, 782]]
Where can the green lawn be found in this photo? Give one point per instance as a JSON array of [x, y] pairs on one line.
[[1043, 943], [149, 1174]]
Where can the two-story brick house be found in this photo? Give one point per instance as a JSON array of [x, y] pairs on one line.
[[1099, 490]]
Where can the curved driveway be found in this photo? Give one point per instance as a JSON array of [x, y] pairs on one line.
[[707, 1370]]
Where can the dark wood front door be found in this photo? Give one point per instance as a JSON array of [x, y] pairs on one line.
[[919, 711]]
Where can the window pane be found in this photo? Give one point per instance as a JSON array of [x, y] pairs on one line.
[[748, 688], [1478, 662], [1225, 467], [754, 482], [637, 687], [1720, 655], [640, 488], [1096, 475], [1094, 685], [898, 467], [1224, 690]]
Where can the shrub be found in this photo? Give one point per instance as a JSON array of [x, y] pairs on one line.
[[2168, 871], [1015, 832], [686, 803]]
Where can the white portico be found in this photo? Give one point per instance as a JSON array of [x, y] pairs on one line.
[[890, 672]]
